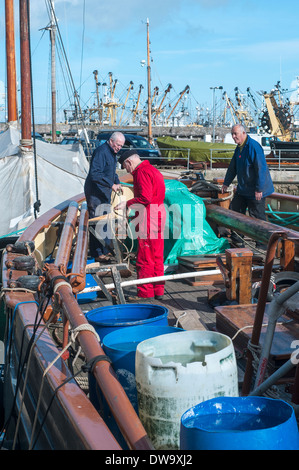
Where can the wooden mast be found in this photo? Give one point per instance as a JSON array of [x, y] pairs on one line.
[[149, 100], [11, 62], [25, 74], [53, 71]]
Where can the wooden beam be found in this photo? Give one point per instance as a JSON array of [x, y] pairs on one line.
[[189, 320]]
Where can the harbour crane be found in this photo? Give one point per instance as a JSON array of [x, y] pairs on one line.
[[276, 120], [135, 110], [124, 105], [182, 93], [230, 106], [99, 107], [159, 109]]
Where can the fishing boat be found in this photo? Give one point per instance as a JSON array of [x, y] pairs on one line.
[[181, 151], [46, 400], [286, 151]]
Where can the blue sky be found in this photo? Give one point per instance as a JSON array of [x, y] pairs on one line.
[[200, 43]]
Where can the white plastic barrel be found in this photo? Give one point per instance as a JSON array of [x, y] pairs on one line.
[[177, 371]]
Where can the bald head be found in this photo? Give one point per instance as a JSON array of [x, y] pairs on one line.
[[131, 162]]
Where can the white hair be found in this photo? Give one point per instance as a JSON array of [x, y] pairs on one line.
[[116, 135], [240, 126]]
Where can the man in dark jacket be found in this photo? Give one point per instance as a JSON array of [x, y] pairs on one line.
[[100, 182], [254, 181], [148, 204]]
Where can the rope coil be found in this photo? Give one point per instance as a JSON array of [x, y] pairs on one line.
[[62, 283]]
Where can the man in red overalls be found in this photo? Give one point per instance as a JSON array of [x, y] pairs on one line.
[[150, 215]]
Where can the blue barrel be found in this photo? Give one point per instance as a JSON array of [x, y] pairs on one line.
[[121, 346], [240, 423], [110, 318]]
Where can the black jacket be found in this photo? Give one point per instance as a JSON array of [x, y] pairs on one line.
[[101, 176]]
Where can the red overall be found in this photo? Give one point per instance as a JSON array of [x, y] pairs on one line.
[[150, 215]]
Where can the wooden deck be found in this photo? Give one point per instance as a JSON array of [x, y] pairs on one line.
[[187, 301], [180, 298]]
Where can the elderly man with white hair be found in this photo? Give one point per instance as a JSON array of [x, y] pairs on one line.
[[254, 180], [101, 180]]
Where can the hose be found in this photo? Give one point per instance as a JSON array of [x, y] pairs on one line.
[[273, 216]]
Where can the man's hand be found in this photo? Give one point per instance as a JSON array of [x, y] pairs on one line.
[[117, 188], [258, 196], [224, 189]]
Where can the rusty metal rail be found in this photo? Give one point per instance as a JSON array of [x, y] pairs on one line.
[[253, 228], [55, 276], [264, 232], [120, 406]]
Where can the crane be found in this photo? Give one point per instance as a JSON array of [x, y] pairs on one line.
[[186, 90], [159, 109], [137, 103], [242, 114], [124, 105], [110, 103], [276, 120], [231, 107], [100, 109]]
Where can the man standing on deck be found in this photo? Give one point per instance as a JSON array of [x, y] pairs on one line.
[[100, 182], [254, 181], [148, 203]]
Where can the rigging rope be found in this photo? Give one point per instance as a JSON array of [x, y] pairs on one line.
[[82, 47], [67, 65], [37, 203], [73, 334], [20, 368]]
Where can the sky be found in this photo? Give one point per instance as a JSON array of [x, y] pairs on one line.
[[200, 43]]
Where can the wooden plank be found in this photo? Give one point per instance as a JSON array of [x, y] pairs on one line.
[[199, 261], [231, 319], [204, 280], [189, 320]]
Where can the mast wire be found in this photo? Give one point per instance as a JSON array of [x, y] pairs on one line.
[[37, 203]]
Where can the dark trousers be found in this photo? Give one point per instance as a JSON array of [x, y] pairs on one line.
[[96, 248], [255, 208], [98, 206]]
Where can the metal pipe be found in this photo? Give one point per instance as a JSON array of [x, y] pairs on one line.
[[264, 232], [295, 394], [120, 406], [80, 256], [281, 372], [169, 277], [284, 197], [260, 308], [66, 239], [276, 309]]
